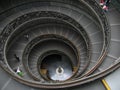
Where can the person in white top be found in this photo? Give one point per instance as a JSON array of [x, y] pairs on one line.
[[19, 72]]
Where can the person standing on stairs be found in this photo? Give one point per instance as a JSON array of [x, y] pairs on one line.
[[102, 2], [17, 58], [19, 72], [106, 5]]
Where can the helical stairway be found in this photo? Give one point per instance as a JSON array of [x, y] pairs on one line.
[[57, 43]]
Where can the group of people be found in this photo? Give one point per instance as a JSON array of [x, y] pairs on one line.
[[105, 4], [18, 70]]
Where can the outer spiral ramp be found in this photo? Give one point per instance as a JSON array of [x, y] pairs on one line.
[[57, 44]]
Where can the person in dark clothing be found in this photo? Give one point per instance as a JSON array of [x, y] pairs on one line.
[[107, 2], [17, 58]]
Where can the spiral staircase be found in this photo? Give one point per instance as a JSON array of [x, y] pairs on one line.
[[57, 44]]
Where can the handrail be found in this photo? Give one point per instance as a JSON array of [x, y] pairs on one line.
[[106, 84]]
